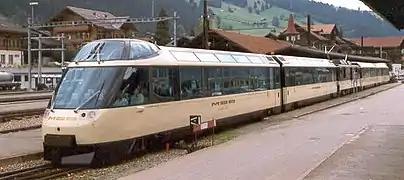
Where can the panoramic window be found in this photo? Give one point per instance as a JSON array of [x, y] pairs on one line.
[[140, 50], [225, 58], [207, 57], [185, 56], [241, 59], [165, 85], [213, 81], [191, 82], [102, 50], [255, 59]]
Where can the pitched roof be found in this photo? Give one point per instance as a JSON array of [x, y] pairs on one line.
[[389, 41], [7, 26], [319, 37], [291, 29], [97, 16], [253, 44], [323, 28]]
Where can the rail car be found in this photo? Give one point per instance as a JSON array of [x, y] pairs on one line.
[[7, 81], [120, 95]]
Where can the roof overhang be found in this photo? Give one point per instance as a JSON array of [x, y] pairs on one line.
[[391, 10]]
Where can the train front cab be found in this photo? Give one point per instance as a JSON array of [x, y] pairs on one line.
[[306, 81]]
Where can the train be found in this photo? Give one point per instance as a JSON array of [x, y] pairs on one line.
[[121, 96], [7, 81]]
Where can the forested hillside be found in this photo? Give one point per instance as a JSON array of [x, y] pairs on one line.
[[259, 15]]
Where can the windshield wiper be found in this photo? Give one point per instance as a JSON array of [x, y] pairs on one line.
[[88, 100], [91, 97], [52, 101]]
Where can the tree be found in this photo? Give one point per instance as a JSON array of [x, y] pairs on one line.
[[255, 5], [162, 35], [275, 21], [250, 9], [218, 21], [192, 32]]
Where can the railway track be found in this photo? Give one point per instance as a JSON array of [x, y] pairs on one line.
[[5, 98], [22, 92], [42, 172]]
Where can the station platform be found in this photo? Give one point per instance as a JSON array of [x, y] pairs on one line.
[[359, 140], [19, 144]]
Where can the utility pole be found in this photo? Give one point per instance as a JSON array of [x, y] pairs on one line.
[[153, 8], [205, 25], [63, 50], [29, 55], [175, 29], [39, 60]]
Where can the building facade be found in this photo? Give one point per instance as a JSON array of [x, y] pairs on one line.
[[11, 44], [77, 35], [322, 36], [391, 48]]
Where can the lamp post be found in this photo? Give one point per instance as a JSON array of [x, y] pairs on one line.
[[33, 4], [30, 23]]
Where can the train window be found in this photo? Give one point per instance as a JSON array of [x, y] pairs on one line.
[[185, 56], [236, 80], [277, 75], [270, 58], [133, 89], [255, 59], [206, 57], [261, 80], [191, 82], [164, 84], [103, 50], [213, 81], [225, 58], [241, 59], [140, 50]]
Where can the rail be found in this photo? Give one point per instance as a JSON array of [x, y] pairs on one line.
[[40, 172]]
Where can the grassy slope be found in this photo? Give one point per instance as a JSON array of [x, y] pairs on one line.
[[240, 18]]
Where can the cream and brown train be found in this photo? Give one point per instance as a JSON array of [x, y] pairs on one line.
[[120, 96]]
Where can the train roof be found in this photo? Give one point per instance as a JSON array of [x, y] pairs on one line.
[[371, 65], [174, 56], [293, 61]]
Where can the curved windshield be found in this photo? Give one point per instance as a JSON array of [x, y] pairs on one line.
[[86, 88], [102, 50]]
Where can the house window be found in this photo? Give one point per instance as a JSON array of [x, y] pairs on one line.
[[287, 38], [377, 51], [298, 37], [2, 59], [10, 59]]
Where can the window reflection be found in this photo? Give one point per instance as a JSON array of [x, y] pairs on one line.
[[191, 82], [103, 50]]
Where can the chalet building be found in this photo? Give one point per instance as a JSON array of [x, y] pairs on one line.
[[233, 41], [11, 44], [391, 48], [322, 36], [77, 35]]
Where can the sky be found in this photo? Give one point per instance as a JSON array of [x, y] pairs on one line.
[[350, 4]]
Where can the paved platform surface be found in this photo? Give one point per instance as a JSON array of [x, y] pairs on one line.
[[20, 143], [376, 154], [24, 105], [291, 149]]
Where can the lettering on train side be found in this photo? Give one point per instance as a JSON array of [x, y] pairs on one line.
[[222, 103]]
